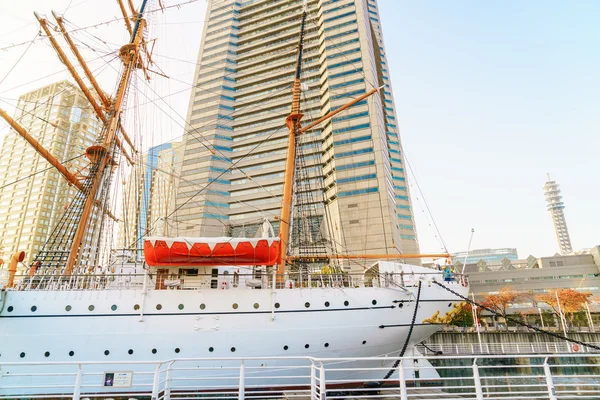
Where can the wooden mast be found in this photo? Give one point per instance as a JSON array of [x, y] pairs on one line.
[[105, 100], [69, 176], [101, 155], [59, 20], [293, 125], [295, 129]]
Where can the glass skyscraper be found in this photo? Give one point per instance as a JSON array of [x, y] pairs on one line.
[[235, 145]]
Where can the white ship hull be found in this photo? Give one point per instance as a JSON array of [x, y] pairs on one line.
[[108, 326]]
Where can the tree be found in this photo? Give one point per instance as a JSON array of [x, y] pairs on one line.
[[501, 302], [461, 316], [571, 301]]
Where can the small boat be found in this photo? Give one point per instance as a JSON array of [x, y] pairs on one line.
[[210, 251]]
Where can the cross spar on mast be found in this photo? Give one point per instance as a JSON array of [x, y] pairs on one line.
[[63, 58], [104, 99]]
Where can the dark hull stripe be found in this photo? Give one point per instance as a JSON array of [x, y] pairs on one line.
[[33, 315]]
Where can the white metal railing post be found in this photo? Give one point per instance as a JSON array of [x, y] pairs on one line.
[[155, 383], [241, 389], [313, 382], [77, 388], [402, 381], [477, 381], [549, 381], [322, 383], [167, 395]]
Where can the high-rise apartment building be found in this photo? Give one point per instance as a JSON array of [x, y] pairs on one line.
[[149, 196], [352, 168], [34, 195], [556, 207]]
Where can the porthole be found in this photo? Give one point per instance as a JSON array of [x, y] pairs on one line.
[[113, 307], [154, 351], [33, 308], [346, 303], [211, 349], [326, 344], [401, 305], [235, 306], [130, 351], [202, 306], [256, 306], [326, 304], [136, 307], [233, 349], [277, 305], [91, 308], [285, 347], [374, 302], [177, 350], [159, 306], [364, 342], [306, 346], [22, 355], [449, 304], [10, 309], [307, 304], [106, 352], [180, 306], [71, 353], [47, 354], [68, 308]]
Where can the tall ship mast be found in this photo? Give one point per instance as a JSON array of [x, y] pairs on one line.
[[204, 296]]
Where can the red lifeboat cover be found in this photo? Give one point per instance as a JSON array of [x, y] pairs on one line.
[[210, 251]]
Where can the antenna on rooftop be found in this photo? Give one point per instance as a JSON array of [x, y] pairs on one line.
[[468, 250]]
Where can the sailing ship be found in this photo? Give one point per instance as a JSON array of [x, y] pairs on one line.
[[201, 297]]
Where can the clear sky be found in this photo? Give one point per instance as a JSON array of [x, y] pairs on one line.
[[490, 97]]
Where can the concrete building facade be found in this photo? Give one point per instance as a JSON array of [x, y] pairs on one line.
[[34, 195], [352, 168], [487, 255], [538, 275]]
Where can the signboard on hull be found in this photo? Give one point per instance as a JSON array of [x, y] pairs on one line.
[[118, 379]]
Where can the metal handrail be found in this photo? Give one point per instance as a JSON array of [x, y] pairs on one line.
[[534, 377], [116, 280]]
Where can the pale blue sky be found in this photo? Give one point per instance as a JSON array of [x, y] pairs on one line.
[[490, 97]]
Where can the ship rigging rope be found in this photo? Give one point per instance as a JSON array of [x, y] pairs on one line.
[[20, 58], [40, 171], [146, 12], [198, 137], [435, 228], [535, 328], [410, 330]]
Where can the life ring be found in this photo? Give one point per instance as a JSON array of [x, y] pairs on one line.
[[575, 347]]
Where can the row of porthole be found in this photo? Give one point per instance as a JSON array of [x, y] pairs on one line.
[[106, 352], [177, 350], [181, 306]]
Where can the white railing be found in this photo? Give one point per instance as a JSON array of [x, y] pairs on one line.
[[109, 280], [504, 348], [516, 376]]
